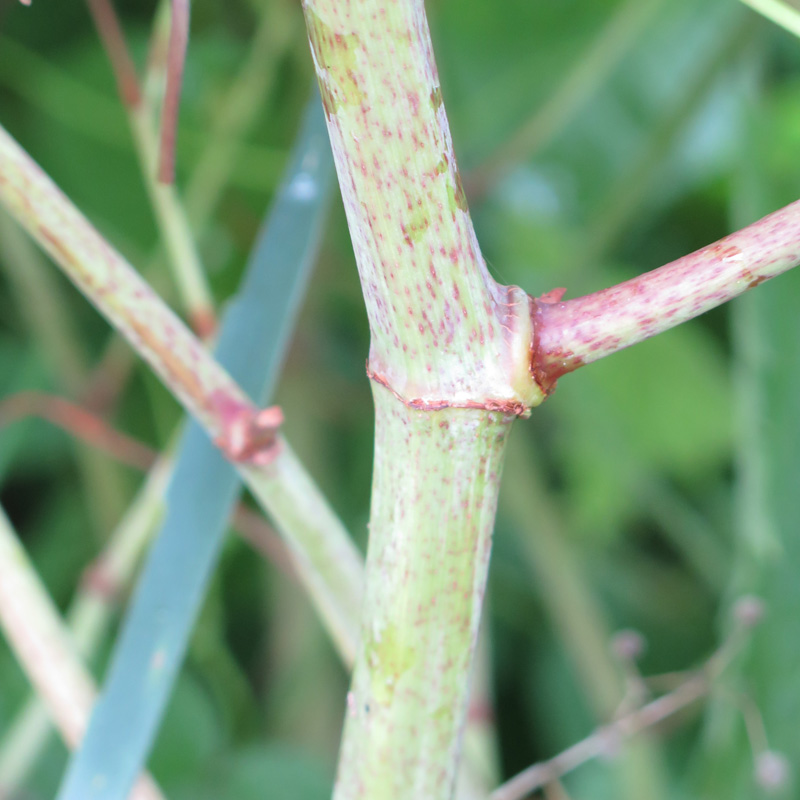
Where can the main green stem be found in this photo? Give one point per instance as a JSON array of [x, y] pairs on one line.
[[435, 484], [450, 362]]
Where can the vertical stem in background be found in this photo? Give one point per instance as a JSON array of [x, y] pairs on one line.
[[170, 217], [176, 56], [433, 504]]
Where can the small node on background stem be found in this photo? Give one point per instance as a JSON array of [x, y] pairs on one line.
[[748, 611], [251, 436], [772, 771], [628, 645], [203, 322]]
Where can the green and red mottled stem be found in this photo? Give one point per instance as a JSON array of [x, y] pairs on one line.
[[433, 507], [585, 329], [443, 332], [104, 276], [449, 360]]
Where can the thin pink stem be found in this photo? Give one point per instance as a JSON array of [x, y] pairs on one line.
[[80, 423], [576, 332], [176, 58], [110, 32]]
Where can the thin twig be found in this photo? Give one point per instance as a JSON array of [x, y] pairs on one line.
[[327, 561], [78, 421], [603, 740], [697, 684], [170, 216], [110, 32], [178, 41]]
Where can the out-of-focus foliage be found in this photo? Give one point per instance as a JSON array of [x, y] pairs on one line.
[[637, 459]]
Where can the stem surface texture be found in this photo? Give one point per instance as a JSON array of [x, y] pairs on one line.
[[433, 504]]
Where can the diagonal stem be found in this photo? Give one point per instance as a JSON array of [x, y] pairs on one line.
[[328, 560]]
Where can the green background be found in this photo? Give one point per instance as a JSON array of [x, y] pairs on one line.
[[649, 492]]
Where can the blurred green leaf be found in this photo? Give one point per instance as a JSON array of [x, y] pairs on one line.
[[254, 772], [662, 406]]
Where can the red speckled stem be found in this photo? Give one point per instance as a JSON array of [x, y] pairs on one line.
[[450, 363], [576, 332], [442, 331], [434, 494]]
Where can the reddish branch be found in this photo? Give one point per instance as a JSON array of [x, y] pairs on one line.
[[176, 57], [110, 32], [80, 423], [96, 432], [576, 332]]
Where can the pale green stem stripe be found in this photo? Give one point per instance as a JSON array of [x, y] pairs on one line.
[[434, 493], [778, 12], [88, 619], [45, 649], [244, 99], [173, 224], [202, 386]]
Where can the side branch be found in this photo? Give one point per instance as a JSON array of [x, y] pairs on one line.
[[325, 557], [576, 332]]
